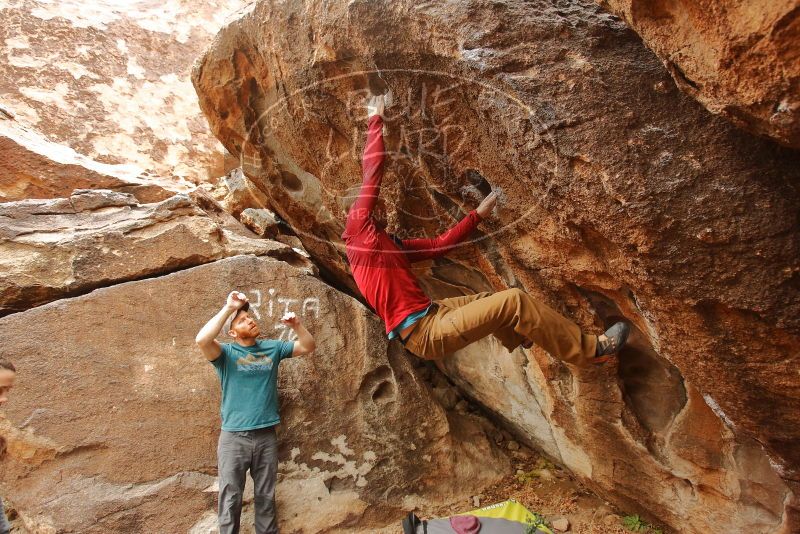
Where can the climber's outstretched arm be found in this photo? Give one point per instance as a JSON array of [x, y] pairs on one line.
[[425, 249], [372, 168]]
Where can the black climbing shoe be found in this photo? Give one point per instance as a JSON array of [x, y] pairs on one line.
[[615, 339]]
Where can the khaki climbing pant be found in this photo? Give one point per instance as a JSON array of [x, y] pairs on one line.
[[512, 316]]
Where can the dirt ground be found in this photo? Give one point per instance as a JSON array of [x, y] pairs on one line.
[[547, 490], [540, 486]]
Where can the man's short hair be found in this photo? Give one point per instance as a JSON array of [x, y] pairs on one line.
[[234, 315], [5, 364]]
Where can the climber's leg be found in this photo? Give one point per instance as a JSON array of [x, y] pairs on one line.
[[506, 335], [512, 316]]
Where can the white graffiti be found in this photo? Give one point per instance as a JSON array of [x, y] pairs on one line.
[[272, 305]]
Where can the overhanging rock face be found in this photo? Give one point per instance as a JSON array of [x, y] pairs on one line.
[[738, 59], [114, 425], [621, 196]]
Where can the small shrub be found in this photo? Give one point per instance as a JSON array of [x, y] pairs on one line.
[[634, 523], [535, 522]]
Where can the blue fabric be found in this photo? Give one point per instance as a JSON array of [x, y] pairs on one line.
[[410, 319], [249, 380]]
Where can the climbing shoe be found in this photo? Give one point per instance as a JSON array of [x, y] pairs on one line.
[[615, 338]]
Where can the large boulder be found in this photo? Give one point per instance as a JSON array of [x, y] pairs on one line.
[[63, 247], [33, 167], [621, 196], [740, 60], [113, 424], [111, 81]]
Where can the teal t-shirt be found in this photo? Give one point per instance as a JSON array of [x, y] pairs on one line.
[[249, 380]]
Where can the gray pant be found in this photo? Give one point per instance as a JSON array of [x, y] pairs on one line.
[[5, 528], [256, 450]]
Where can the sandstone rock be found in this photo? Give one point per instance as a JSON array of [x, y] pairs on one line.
[[241, 194], [111, 81], [56, 248], [561, 524], [439, 380], [119, 412], [261, 222], [447, 397], [33, 167], [292, 241], [740, 61], [608, 176]]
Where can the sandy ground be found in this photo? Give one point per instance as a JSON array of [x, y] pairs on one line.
[[544, 489], [539, 485]]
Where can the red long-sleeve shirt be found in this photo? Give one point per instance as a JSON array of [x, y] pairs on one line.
[[382, 269]]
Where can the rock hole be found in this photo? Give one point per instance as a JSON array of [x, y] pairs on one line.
[[290, 182], [384, 393], [651, 386], [376, 85], [475, 179], [379, 386], [338, 484]]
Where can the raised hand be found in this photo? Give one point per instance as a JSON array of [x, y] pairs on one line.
[[290, 319], [375, 105], [236, 300], [486, 206]]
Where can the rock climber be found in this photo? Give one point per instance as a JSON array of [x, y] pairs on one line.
[[8, 373], [248, 374], [381, 267]]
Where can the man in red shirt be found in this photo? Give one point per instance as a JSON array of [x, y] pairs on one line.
[[381, 267]]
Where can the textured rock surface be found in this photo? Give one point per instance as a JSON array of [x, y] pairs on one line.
[[56, 248], [237, 193], [111, 80], [261, 221], [739, 59], [114, 425], [33, 167], [621, 196]]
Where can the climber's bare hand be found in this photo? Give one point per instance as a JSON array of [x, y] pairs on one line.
[[375, 105], [487, 205]]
